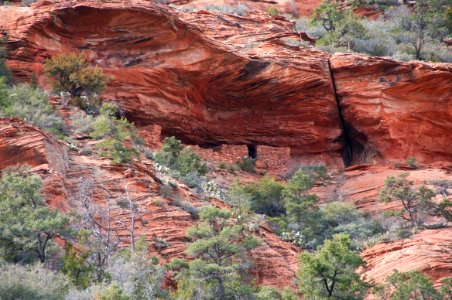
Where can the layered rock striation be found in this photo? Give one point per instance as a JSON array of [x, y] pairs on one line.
[[394, 110], [216, 79]]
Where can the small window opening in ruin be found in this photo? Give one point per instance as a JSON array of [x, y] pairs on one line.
[[252, 151]]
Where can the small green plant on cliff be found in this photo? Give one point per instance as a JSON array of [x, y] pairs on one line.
[[116, 135], [184, 161], [246, 164], [31, 105], [73, 74], [411, 162], [272, 11], [219, 250], [4, 71]]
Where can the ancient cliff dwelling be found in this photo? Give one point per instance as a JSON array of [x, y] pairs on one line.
[[202, 149]]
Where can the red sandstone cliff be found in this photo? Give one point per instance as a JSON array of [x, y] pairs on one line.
[[214, 80], [211, 79], [394, 110]]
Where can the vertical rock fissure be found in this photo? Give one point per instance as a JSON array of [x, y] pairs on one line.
[[347, 151]]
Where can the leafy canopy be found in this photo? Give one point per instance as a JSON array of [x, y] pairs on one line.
[[341, 25], [330, 272], [73, 74], [27, 225], [219, 251], [411, 285]]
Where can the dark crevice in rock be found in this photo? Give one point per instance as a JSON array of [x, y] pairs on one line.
[[347, 149], [252, 151]]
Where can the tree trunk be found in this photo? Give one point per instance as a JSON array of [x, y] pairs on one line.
[[221, 289]]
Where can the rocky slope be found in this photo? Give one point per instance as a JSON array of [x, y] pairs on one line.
[[213, 80], [428, 251], [66, 173]]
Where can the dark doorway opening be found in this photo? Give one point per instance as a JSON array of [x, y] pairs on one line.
[[252, 151]]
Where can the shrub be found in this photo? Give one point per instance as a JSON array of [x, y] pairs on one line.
[[138, 276], [31, 105], [240, 9], [184, 161], [171, 149], [188, 162], [73, 74], [82, 122], [265, 196], [4, 71], [31, 282], [166, 191], [272, 11], [188, 207], [111, 291], [246, 164], [342, 217], [116, 135], [192, 179], [411, 285], [411, 162], [27, 2]]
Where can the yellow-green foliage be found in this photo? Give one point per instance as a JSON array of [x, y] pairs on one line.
[[73, 74], [116, 135]]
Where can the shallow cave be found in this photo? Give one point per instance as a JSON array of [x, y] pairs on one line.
[[252, 151]]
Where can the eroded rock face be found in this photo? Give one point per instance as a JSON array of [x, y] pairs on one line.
[[394, 110], [361, 185], [24, 144], [211, 80], [169, 72], [428, 251]]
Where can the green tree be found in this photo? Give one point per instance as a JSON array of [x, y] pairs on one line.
[[27, 225], [76, 266], [411, 285], [188, 161], [341, 25], [73, 74], [301, 206], [219, 251], [330, 273], [416, 202]]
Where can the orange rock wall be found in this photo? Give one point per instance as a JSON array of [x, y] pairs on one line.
[[394, 110]]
